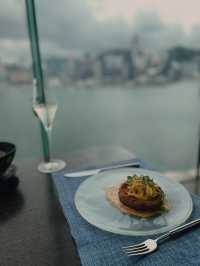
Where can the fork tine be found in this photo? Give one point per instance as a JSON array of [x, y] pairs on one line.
[[135, 249], [146, 251], [134, 246]]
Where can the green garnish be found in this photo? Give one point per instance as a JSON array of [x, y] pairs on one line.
[[129, 178], [163, 209], [147, 180]]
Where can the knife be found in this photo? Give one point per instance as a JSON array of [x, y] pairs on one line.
[[96, 171]]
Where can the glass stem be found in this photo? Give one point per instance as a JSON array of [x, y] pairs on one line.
[[49, 131]]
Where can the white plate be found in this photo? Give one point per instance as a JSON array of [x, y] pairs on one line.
[[93, 206]]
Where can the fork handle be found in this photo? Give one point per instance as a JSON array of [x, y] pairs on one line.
[[179, 229], [184, 227]]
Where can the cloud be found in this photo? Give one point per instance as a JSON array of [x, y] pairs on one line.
[[194, 37], [71, 25], [12, 19], [67, 25], [156, 34]]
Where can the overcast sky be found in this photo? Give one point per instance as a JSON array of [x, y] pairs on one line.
[[94, 25]]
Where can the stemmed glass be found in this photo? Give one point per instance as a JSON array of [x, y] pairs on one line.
[[46, 114]]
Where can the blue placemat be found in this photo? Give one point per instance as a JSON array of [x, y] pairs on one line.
[[99, 248]]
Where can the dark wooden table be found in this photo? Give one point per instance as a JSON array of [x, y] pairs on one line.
[[33, 229]]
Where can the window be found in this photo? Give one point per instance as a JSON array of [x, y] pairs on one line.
[[125, 73]]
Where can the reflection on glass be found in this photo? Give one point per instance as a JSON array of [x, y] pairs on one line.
[[129, 73]]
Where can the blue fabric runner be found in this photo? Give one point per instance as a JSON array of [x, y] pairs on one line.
[[99, 248]]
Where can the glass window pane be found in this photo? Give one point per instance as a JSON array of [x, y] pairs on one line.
[[18, 124], [125, 74]]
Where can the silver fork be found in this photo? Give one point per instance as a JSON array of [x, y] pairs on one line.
[[150, 245]]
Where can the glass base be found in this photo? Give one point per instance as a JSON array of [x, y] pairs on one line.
[[50, 167]]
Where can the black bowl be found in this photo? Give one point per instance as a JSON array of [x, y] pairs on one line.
[[6, 159]]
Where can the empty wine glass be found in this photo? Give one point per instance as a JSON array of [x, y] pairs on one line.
[[46, 111]]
